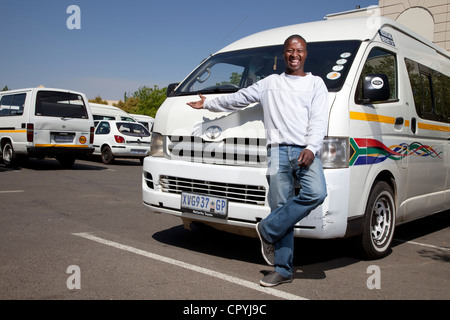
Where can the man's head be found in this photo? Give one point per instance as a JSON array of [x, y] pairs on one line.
[[294, 53]]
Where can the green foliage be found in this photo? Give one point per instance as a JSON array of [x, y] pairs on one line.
[[99, 100], [5, 88], [144, 101], [235, 79]]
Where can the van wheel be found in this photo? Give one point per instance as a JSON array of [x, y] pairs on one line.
[[66, 162], [107, 155], [9, 156], [379, 222]]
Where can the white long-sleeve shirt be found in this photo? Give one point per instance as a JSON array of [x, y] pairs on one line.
[[295, 108]]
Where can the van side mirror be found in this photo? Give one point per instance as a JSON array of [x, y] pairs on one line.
[[171, 88], [376, 88]]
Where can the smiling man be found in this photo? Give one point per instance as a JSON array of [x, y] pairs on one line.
[[295, 106]]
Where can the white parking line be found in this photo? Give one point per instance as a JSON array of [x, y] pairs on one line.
[[11, 191], [178, 263], [423, 244]]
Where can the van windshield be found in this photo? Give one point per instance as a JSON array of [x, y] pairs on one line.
[[60, 104], [230, 71]]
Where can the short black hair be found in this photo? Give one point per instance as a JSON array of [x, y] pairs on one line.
[[294, 36]]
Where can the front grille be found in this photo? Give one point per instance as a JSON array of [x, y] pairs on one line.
[[229, 151], [241, 193]]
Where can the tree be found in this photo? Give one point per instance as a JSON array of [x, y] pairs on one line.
[[99, 100], [145, 100], [5, 88], [130, 105]]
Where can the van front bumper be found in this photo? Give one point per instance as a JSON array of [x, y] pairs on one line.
[[327, 221]]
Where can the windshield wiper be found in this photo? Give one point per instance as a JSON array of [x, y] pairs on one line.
[[218, 90], [206, 91]]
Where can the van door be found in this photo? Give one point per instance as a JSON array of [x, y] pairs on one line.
[[377, 128], [60, 119], [13, 119], [429, 134]]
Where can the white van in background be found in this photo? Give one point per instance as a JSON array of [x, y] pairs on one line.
[[386, 155], [43, 122], [146, 121], [107, 112]]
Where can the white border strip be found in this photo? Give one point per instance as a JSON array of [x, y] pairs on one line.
[[422, 244], [12, 191], [178, 263]]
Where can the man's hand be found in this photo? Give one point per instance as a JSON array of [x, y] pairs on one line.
[[197, 104], [306, 158]]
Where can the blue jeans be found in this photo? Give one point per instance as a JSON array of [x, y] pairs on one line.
[[288, 209]]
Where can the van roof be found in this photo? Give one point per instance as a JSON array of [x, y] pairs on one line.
[[105, 106], [40, 89], [327, 30]]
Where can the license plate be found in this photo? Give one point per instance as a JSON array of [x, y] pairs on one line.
[[63, 138], [204, 205], [138, 151]]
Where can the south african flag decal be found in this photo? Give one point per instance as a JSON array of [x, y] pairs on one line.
[[372, 151]]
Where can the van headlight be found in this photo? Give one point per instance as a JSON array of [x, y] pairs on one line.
[[157, 145], [335, 152]]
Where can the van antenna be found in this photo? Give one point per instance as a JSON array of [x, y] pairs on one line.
[[235, 28]]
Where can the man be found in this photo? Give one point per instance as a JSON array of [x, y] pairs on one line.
[[295, 107]]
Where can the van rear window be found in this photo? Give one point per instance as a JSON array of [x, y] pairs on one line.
[[60, 104]]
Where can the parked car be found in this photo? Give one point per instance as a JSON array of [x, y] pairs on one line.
[[121, 139], [45, 122]]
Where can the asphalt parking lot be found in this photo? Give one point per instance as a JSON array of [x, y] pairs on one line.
[[84, 234]]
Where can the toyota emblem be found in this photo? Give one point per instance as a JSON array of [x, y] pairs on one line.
[[213, 132]]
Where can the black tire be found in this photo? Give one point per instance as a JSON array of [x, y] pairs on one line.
[[8, 154], [107, 155], [379, 222]]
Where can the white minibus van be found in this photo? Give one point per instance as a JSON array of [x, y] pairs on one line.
[[43, 122], [107, 112], [385, 156], [145, 120]]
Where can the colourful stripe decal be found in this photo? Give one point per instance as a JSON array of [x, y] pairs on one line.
[[371, 117], [433, 127], [391, 120], [371, 151], [13, 131], [61, 145]]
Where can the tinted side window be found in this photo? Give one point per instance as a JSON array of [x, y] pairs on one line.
[[17, 104], [5, 105], [441, 90], [103, 128], [379, 61], [12, 105], [430, 91]]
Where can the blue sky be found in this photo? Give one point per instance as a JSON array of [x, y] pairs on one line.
[[123, 45]]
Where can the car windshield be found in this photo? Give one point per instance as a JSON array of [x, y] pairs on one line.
[[132, 129], [231, 71], [60, 104]]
